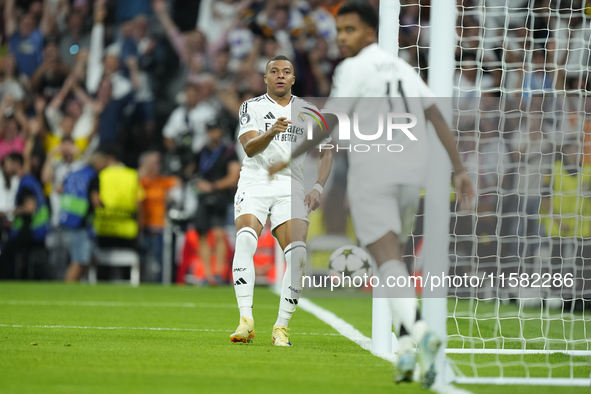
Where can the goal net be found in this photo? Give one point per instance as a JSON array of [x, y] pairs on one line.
[[523, 126]]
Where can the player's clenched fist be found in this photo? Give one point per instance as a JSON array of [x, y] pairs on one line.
[[280, 126]]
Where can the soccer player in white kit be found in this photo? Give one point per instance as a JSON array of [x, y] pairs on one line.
[[268, 135], [383, 204]]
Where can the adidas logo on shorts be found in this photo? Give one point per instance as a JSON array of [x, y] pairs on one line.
[[269, 116]]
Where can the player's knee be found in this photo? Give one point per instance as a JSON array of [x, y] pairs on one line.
[[248, 221], [248, 238]]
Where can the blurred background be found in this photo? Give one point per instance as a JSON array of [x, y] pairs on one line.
[[155, 87]]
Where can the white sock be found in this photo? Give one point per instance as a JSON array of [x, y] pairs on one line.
[[419, 330], [243, 273], [291, 287], [403, 300]]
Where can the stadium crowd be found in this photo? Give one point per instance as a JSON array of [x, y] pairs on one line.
[[146, 94]]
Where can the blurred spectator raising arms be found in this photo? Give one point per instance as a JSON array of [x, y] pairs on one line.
[[51, 73], [26, 37]]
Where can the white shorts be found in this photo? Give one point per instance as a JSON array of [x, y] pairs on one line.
[[383, 208], [278, 200]]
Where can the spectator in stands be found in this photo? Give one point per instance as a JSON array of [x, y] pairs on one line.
[[187, 122], [12, 139], [157, 188], [325, 26], [10, 88], [116, 220], [567, 214], [79, 198], [566, 207], [60, 162], [217, 171], [485, 156], [74, 39], [129, 9], [51, 73], [470, 80], [78, 120], [191, 47], [533, 154], [320, 68], [8, 188], [333, 6], [283, 24], [110, 112], [141, 47], [26, 40], [105, 64], [215, 17], [31, 222], [223, 76]]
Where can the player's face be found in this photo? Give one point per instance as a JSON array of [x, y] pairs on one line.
[[279, 77], [353, 35]]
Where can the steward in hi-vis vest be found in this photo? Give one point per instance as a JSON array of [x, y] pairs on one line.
[[75, 201], [79, 199], [120, 192]]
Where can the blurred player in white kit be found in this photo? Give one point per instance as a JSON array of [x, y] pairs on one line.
[[383, 187]]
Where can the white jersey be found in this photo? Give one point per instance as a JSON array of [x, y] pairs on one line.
[[375, 73], [260, 114]]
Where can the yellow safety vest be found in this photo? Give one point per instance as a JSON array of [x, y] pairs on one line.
[[119, 191], [570, 200]]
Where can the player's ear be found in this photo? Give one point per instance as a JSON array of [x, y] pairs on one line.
[[370, 33], [265, 78]]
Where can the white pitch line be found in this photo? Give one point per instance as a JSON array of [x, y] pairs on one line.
[[350, 332], [146, 329], [127, 304]]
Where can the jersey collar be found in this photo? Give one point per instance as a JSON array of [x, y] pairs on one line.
[[367, 49], [274, 102]]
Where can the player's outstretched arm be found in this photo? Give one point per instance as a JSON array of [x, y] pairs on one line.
[[462, 182], [312, 200], [318, 134], [254, 143]]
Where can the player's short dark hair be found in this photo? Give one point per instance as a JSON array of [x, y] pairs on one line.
[[367, 12], [278, 57], [16, 157]]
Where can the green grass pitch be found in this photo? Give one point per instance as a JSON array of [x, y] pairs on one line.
[[58, 338]]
